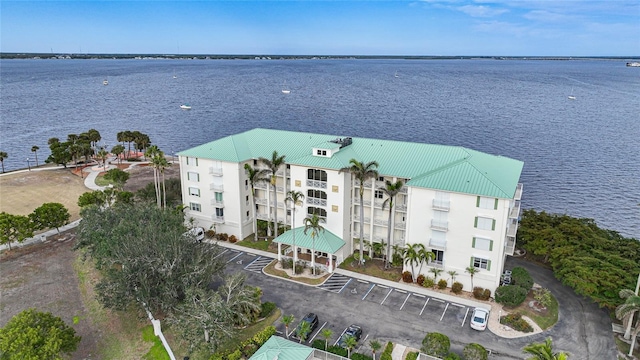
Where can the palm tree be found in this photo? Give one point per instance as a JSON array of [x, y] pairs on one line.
[[3, 155], [117, 151], [155, 154], [544, 351], [102, 155], [453, 275], [303, 331], [350, 342], [287, 320], [435, 272], [294, 197], [412, 257], [274, 164], [626, 311], [255, 176], [313, 223], [375, 346], [472, 271], [362, 172], [326, 334], [34, 149], [391, 190], [163, 164]]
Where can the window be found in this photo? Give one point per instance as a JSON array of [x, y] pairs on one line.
[[438, 239], [195, 207], [246, 198], [218, 196], [485, 223], [255, 162], [381, 178], [324, 152], [379, 194], [220, 212], [319, 175], [318, 211], [247, 214], [246, 184], [438, 257], [192, 161], [316, 194], [482, 244], [193, 176], [194, 191], [318, 152], [480, 263], [288, 212], [487, 203]]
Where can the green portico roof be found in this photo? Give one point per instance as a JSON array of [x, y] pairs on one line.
[[281, 349], [440, 167], [325, 241]]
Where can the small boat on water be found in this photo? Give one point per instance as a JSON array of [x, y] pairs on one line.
[[633, 64], [105, 82], [571, 96], [285, 89], [396, 75], [185, 107]]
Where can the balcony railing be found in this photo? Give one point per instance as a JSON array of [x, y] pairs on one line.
[[261, 201], [366, 219], [439, 225], [512, 229], [442, 205], [262, 216], [439, 244], [216, 187], [380, 222], [399, 225], [356, 233], [401, 207], [314, 201], [515, 211], [215, 171], [403, 190], [356, 200], [509, 245], [281, 173], [518, 194], [261, 185], [378, 203], [317, 184], [217, 219], [217, 203]]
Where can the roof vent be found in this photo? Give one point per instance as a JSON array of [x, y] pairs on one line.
[[343, 141]]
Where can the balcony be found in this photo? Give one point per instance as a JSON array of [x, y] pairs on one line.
[[401, 207], [518, 194], [514, 213], [356, 234], [440, 225], [262, 216], [403, 190], [356, 201], [366, 219], [217, 203], [442, 205], [217, 219], [261, 201], [261, 185], [399, 225], [317, 184], [216, 187], [438, 244], [215, 171], [281, 172], [382, 222], [509, 245], [314, 201], [512, 228]]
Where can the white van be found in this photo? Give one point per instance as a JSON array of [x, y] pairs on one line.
[[197, 233]]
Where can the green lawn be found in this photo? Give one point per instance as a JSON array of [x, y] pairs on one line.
[[261, 244], [101, 181], [373, 267], [157, 351]]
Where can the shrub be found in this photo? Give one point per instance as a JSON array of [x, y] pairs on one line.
[[436, 344], [520, 277], [428, 282], [210, 233], [267, 309], [260, 338], [335, 349], [223, 236], [457, 287], [420, 279], [300, 266], [516, 322], [236, 355], [543, 296], [442, 284], [358, 356], [318, 344], [286, 263], [386, 354], [452, 356], [510, 295], [412, 356], [407, 277], [486, 294], [474, 352], [478, 292], [233, 239]]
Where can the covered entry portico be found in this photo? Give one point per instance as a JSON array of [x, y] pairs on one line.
[[324, 242]]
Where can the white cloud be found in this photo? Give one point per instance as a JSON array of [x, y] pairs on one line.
[[481, 10], [547, 16]]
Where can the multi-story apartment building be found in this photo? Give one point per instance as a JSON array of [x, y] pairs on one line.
[[462, 204]]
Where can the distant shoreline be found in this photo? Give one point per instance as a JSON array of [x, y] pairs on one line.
[[67, 56]]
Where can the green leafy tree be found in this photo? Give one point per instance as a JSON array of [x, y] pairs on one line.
[[544, 351], [255, 176], [287, 320], [118, 177], [326, 335], [350, 342], [243, 300], [60, 154], [14, 228], [173, 193], [34, 150], [295, 198], [103, 155], [375, 346], [118, 150], [436, 344], [93, 136], [475, 351], [303, 331], [313, 223], [3, 156], [37, 335], [391, 190], [273, 165], [50, 215], [362, 172], [89, 198]]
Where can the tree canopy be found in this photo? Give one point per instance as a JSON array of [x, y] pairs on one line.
[[14, 228], [50, 215]]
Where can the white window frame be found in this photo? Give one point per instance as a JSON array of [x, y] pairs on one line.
[[482, 243], [220, 212], [193, 176], [487, 203], [194, 191], [378, 194], [485, 223], [482, 263], [195, 207]]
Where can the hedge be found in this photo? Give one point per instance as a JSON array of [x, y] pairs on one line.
[[267, 309], [412, 356], [510, 295], [475, 352], [386, 354], [358, 356]]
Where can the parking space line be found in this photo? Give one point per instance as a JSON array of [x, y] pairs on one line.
[[458, 305], [383, 286], [254, 260], [405, 300], [235, 257], [465, 317], [317, 332], [342, 333], [385, 298], [435, 299], [419, 295], [251, 254], [368, 291], [363, 281], [424, 306], [445, 310], [217, 256], [344, 286], [362, 343]]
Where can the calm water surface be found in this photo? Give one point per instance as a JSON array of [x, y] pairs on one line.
[[581, 156]]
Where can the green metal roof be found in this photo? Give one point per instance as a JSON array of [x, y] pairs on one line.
[[440, 167], [282, 349], [325, 241]]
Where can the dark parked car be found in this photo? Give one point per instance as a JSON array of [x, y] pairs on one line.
[[352, 330], [310, 318]]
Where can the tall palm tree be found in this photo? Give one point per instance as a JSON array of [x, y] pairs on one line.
[[350, 342], [453, 275], [117, 151], [3, 155], [424, 256], [295, 197], [255, 176], [375, 346], [313, 223], [544, 351], [326, 334], [626, 311], [287, 320], [34, 149], [163, 164], [102, 155], [303, 331], [471, 271], [362, 172], [274, 164], [155, 154], [391, 190], [412, 257]]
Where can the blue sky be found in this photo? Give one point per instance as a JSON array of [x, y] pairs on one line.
[[325, 27]]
